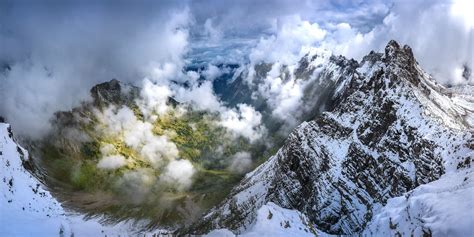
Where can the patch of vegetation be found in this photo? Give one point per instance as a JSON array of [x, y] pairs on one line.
[[195, 133], [71, 164]]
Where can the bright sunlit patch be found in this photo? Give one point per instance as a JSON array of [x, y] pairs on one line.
[[464, 9]]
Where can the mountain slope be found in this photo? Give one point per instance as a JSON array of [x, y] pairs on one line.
[[392, 156], [439, 208], [28, 209], [392, 129]]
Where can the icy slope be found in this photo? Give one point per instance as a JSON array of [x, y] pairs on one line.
[[27, 209], [441, 208], [393, 129]]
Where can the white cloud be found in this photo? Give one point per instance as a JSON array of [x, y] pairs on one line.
[[112, 162], [463, 10], [244, 121], [288, 43], [241, 121], [440, 34], [154, 98], [158, 148], [115, 120], [107, 149], [136, 134], [202, 96], [179, 173], [241, 162], [213, 33], [283, 96], [158, 151], [56, 58], [212, 72], [51, 55]]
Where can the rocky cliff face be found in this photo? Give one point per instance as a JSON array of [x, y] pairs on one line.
[[390, 129]]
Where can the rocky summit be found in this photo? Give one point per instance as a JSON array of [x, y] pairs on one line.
[[391, 129]]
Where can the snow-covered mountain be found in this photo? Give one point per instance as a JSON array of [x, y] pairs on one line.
[[393, 157], [300, 91]]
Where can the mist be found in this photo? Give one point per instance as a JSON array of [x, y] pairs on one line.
[[58, 50], [53, 52]]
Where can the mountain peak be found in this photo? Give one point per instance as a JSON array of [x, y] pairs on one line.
[[388, 131], [113, 92], [392, 44], [395, 53]]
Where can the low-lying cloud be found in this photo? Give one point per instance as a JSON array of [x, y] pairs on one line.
[[112, 162], [179, 173], [244, 121], [241, 162]]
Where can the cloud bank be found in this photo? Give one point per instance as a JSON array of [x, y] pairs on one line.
[[51, 54], [49, 61], [439, 32]]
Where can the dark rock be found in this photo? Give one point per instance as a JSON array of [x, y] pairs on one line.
[[115, 93], [466, 72]]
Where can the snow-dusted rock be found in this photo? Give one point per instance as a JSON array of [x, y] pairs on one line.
[[273, 220], [392, 128]]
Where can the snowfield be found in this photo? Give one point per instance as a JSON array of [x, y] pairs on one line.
[[441, 208]]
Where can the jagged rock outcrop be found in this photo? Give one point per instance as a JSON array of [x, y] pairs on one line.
[[115, 93], [391, 129]]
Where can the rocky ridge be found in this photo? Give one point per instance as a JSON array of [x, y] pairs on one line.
[[392, 128]]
